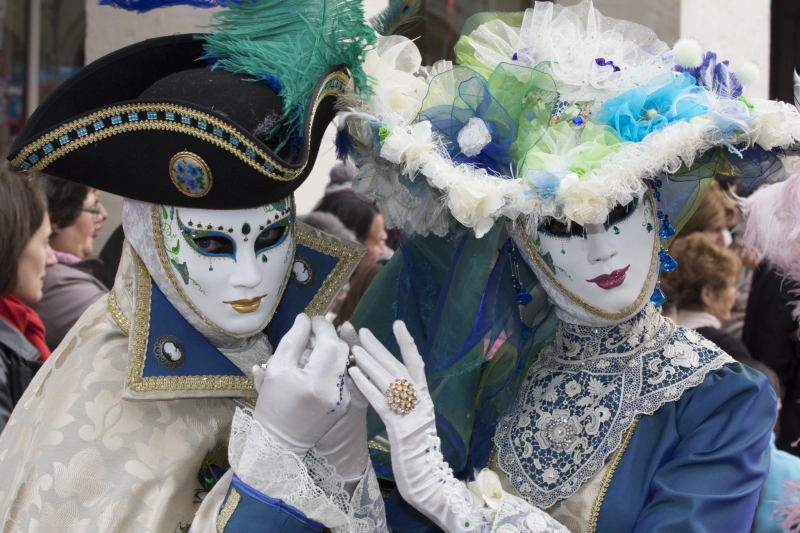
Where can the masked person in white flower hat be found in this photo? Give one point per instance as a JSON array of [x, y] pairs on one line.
[[199, 393], [541, 180]]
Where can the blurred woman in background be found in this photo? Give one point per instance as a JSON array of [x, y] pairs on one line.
[[706, 284], [362, 218], [713, 218], [25, 252], [76, 217]]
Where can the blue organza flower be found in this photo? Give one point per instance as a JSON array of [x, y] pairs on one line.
[[544, 184], [494, 125], [638, 112], [716, 75]]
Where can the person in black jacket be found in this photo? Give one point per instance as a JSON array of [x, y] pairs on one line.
[[25, 252], [771, 334], [706, 283]]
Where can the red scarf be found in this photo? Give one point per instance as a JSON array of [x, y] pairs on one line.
[[26, 321]]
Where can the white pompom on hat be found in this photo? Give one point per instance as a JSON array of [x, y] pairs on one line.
[[688, 53], [748, 73]]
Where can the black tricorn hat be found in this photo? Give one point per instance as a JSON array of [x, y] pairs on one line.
[[153, 123]]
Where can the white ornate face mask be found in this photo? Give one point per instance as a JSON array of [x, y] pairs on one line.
[[607, 270], [232, 265]]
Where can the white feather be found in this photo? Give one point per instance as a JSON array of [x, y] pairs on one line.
[[748, 73], [773, 227], [796, 90], [688, 53]]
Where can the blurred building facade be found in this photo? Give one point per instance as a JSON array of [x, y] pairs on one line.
[[45, 41]]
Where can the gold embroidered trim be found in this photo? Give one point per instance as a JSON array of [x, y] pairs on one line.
[[616, 315], [375, 445], [349, 257], [492, 456], [116, 313], [227, 510], [110, 130], [167, 125], [141, 326], [167, 268], [598, 502]]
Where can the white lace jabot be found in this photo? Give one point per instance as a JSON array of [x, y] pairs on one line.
[[585, 390]]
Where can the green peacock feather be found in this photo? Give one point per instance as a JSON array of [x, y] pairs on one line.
[[289, 45], [397, 15]]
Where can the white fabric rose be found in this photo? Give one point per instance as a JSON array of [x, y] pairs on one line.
[[473, 137], [583, 202], [391, 66], [476, 205], [778, 124], [408, 145], [488, 487]]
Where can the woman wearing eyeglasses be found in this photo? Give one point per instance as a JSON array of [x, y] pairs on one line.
[[76, 217]]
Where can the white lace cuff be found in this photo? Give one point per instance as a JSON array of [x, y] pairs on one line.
[[266, 466], [365, 511], [515, 515]]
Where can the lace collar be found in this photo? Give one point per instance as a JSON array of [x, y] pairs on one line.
[[586, 389]]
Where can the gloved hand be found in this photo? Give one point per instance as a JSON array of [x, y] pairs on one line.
[[425, 481], [345, 445], [297, 406]]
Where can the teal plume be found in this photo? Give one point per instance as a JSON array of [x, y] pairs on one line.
[[289, 45], [398, 14]]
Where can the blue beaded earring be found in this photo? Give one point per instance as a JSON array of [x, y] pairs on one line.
[[665, 231], [523, 296]]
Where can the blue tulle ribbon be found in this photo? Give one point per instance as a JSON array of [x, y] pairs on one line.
[[731, 117], [475, 100], [643, 110]]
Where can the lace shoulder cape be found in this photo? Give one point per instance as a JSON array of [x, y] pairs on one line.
[[586, 389]]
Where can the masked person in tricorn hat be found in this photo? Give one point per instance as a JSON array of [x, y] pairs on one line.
[[202, 359]]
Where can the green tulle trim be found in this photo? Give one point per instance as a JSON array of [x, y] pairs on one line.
[[289, 45], [465, 53], [581, 150]]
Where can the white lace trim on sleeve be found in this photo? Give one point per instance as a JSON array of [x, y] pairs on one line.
[[263, 464], [365, 511], [515, 515]]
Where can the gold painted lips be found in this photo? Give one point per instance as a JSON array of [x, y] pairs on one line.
[[246, 306]]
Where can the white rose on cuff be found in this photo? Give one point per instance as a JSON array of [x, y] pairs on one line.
[[473, 137], [487, 485], [583, 201]]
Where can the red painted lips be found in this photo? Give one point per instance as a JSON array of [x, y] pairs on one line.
[[609, 281]]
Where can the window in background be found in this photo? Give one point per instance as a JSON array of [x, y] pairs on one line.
[[46, 36], [13, 51], [63, 34], [785, 53]]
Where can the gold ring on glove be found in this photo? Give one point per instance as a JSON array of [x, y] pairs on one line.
[[401, 396]]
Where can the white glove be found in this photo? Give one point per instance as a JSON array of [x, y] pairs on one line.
[[345, 445], [423, 478], [297, 405]]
